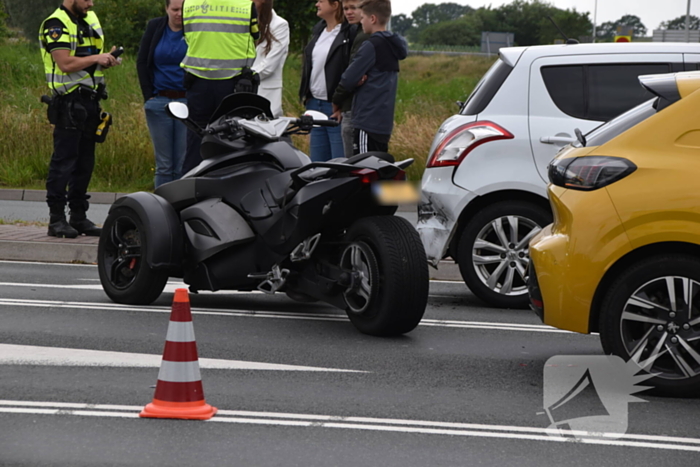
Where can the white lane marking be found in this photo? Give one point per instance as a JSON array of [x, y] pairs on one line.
[[56, 356], [273, 314], [169, 287], [40, 263], [671, 443]]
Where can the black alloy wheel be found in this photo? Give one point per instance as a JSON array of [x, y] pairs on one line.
[[388, 292], [651, 314], [124, 273]]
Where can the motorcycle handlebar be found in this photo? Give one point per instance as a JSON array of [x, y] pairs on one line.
[[330, 123], [223, 126]]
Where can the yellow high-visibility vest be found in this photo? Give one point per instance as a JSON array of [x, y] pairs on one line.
[[58, 81], [218, 35]]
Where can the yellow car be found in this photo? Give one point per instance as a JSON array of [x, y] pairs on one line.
[[622, 257]]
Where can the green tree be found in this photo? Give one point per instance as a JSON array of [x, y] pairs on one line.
[[462, 31], [607, 30], [572, 23], [679, 23], [301, 20], [429, 13], [530, 24], [401, 23]]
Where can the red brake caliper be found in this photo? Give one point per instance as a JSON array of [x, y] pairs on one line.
[[132, 264]]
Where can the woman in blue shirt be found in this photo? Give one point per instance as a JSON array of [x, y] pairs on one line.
[[162, 49]]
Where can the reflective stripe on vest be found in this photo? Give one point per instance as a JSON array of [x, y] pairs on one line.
[[218, 37], [64, 83]]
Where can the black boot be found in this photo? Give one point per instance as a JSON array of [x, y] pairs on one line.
[[58, 227], [83, 225]]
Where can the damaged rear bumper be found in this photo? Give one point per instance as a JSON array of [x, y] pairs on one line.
[[438, 211]]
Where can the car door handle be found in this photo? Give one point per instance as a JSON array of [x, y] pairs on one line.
[[560, 140]]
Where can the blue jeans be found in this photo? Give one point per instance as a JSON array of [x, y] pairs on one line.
[[326, 142], [169, 138]]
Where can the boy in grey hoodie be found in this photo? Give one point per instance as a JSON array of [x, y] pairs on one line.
[[373, 75]]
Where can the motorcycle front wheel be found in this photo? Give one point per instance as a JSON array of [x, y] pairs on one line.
[[121, 260], [389, 290]]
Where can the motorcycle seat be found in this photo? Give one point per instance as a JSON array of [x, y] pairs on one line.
[[385, 156]]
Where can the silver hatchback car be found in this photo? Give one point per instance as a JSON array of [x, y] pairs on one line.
[[484, 187]]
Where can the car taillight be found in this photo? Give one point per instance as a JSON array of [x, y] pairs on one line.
[[460, 141], [589, 173], [366, 176]]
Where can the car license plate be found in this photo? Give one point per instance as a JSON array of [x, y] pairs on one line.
[[393, 192]]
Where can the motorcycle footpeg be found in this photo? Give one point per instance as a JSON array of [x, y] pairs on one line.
[[258, 275], [275, 279], [305, 249]]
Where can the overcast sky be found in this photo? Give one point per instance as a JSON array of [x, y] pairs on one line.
[[651, 12]]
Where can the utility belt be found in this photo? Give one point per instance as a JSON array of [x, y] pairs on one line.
[[80, 110]]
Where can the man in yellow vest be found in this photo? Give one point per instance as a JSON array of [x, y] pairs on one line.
[[72, 44], [220, 37]]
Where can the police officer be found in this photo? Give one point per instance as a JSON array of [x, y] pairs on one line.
[[221, 37], [72, 50]]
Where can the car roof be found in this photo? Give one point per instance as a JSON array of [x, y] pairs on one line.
[[512, 54]]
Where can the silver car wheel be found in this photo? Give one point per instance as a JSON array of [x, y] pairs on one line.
[[501, 252], [356, 259], [660, 327]]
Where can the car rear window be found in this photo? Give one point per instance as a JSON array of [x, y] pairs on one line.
[[599, 92], [486, 88], [620, 124]]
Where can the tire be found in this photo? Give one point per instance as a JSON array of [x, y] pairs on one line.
[[121, 253], [499, 276], [642, 292], [391, 297]]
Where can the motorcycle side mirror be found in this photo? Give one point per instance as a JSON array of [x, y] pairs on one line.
[[180, 111], [316, 115], [177, 110]]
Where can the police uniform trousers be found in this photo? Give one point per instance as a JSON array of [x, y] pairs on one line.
[[203, 98], [73, 159]]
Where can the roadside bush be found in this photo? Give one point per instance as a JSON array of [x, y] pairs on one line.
[[124, 21], [3, 21], [27, 16]]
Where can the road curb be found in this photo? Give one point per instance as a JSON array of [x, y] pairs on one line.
[[48, 252], [40, 195]]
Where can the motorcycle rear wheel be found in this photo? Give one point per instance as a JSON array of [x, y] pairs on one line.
[[390, 293], [122, 251]]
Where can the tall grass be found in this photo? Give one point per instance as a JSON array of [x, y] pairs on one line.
[[428, 88]]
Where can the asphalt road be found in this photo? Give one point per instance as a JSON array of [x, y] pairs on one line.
[[464, 388]]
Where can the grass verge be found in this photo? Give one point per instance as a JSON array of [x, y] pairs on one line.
[[428, 88]]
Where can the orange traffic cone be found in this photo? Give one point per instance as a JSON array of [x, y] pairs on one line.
[[179, 391]]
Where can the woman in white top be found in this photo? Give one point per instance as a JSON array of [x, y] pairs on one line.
[[325, 59], [271, 50]]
